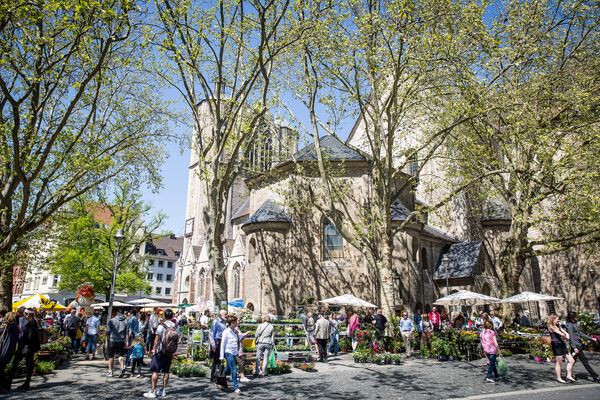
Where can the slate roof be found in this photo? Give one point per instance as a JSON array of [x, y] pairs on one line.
[[438, 233], [166, 247], [269, 211], [495, 210], [399, 212], [242, 209], [333, 150], [463, 260]]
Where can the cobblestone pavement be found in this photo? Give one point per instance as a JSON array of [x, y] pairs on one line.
[[341, 378]]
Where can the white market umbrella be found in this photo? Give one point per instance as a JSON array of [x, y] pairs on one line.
[[194, 308], [142, 301], [348, 300], [115, 304], [466, 298], [161, 305], [529, 296]]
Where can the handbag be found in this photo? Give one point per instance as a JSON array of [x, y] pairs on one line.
[[221, 376], [78, 334]]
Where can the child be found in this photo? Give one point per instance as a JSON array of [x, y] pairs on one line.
[[137, 356]]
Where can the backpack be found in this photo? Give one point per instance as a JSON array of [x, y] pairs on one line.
[[169, 340], [138, 351]]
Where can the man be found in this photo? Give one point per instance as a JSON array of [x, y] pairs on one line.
[[322, 333], [204, 319], [91, 335], [435, 319], [407, 327], [380, 322], [495, 320], [215, 336], [526, 319], [152, 327], [72, 323], [265, 339], [117, 335], [161, 359], [272, 315]]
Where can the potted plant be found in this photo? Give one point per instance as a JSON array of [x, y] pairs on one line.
[[345, 344]]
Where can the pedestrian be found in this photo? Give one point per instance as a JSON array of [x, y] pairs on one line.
[[459, 321], [495, 320], [489, 343], [241, 357], [322, 333], [526, 319], [117, 335], [310, 330], [204, 320], [71, 325], [334, 338], [272, 315], [165, 345], [575, 342], [557, 341], [143, 326], [426, 329], [368, 318], [417, 320], [91, 335], [407, 327], [137, 356], [353, 327], [134, 331], [229, 351], [265, 340], [435, 319], [29, 345], [215, 336], [152, 327], [9, 336], [380, 322]]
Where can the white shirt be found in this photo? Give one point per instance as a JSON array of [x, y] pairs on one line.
[[204, 320], [161, 331], [497, 322], [93, 323], [229, 343]]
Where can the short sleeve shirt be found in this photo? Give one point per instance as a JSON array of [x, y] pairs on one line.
[[160, 331], [487, 341], [93, 324]]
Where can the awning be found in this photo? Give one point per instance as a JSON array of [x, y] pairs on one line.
[[39, 301]]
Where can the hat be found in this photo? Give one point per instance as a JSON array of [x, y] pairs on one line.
[[28, 311]]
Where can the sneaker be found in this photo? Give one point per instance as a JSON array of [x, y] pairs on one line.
[[122, 372], [161, 392], [109, 373], [489, 380], [244, 379], [150, 394], [238, 391]]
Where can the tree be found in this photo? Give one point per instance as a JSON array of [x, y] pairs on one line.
[[76, 110], [84, 248], [538, 81], [221, 59], [392, 63]]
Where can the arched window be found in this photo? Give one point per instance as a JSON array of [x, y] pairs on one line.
[[236, 281], [202, 291], [333, 243]]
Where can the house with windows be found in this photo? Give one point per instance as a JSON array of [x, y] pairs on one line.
[[161, 255]]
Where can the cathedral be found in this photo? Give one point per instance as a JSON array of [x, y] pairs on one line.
[[281, 252]]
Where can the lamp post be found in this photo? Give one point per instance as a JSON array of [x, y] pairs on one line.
[[119, 237]]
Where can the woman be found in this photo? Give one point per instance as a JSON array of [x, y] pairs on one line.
[[265, 340], [143, 325], [241, 358], [9, 334], [353, 325], [575, 343], [29, 345], [489, 344], [310, 330], [557, 338], [334, 336], [459, 321], [426, 328], [229, 350]]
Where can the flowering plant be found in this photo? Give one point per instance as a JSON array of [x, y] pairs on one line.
[[305, 366]]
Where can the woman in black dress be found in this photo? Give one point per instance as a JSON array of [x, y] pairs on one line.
[[9, 334], [559, 348]]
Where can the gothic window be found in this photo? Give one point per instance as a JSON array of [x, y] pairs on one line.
[[202, 291], [413, 165], [236, 281], [333, 243]]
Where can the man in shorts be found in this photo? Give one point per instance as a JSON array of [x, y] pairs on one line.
[[161, 362], [117, 334]]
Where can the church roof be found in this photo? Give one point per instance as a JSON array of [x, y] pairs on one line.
[[463, 258], [242, 210], [269, 212], [438, 233], [496, 210], [399, 212], [333, 150]]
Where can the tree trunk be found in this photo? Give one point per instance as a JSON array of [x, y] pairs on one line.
[[511, 264], [386, 278], [6, 287], [219, 269]]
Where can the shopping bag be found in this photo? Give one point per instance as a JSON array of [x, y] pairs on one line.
[[272, 363], [502, 367], [221, 375]]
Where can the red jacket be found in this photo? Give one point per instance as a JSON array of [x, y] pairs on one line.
[[435, 319]]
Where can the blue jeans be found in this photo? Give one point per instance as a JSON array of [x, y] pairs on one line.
[[232, 367], [492, 367], [92, 342], [334, 343]]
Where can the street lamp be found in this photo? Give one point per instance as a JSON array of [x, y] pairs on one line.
[[119, 237], [446, 262]]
